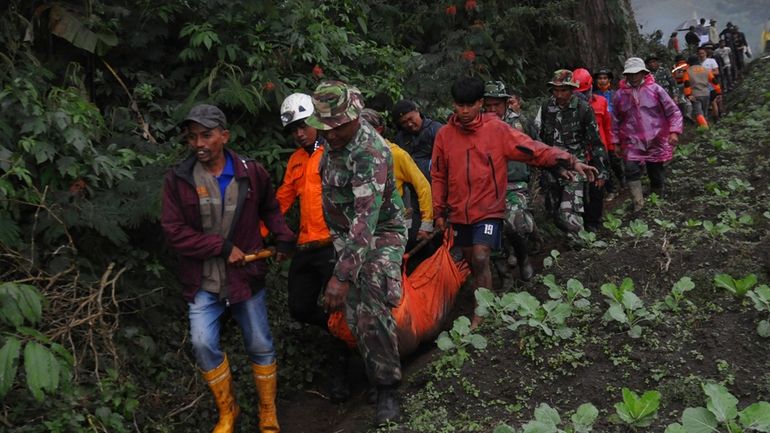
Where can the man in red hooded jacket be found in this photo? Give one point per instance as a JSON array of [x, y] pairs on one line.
[[469, 174]]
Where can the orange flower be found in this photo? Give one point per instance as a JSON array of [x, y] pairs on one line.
[[451, 10], [469, 55], [269, 86], [77, 186], [470, 5], [318, 72]]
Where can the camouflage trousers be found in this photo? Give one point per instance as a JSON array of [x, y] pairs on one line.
[[518, 218], [368, 309], [564, 201]]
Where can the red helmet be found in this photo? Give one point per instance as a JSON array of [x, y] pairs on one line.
[[583, 78]]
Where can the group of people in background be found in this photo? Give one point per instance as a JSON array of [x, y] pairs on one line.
[[711, 64], [365, 200]]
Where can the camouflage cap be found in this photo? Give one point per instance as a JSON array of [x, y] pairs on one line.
[[562, 78], [336, 104], [495, 89]]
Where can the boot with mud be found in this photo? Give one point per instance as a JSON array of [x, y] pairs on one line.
[[635, 187], [388, 408], [339, 384], [526, 272], [266, 379], [220, 382]]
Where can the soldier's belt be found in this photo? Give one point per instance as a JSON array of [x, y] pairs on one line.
[[312, 245]]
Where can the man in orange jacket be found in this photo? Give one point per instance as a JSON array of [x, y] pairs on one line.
[[313, 264]]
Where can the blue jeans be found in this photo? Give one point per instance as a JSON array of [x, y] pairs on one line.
[[251, 315]]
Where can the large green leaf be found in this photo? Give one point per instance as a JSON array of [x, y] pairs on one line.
[[638, 411], [675, 428], [9, 305], [617, 313], [539, 427], [71, 28], [41, 368], [444, 342], [720, 402], [30, 302], [558, 311], [611, 291], [725, 281], [584, 417], [763, 328], [504, 428], [527, 305], [462, 325], [547, 414], [554, 290], [756, 417], [631, 301], [761, 297], [699, 420], [9, 355], [485, 299], [9, 230], [477, 341]]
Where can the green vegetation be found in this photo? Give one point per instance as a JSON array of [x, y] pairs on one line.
[[638, 411], [93, 333]]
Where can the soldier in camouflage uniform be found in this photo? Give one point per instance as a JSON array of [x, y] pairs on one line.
[[519, 222], [365, 217], [569, 123], [662, 76]]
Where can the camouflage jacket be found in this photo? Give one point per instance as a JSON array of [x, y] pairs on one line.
[[573, 128], [361, 205], [518, 171], [664, 78]]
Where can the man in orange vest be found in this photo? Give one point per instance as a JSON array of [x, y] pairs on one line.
[[698, 81], [313, 264]]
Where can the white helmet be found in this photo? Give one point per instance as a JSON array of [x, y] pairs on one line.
[[296, 106]]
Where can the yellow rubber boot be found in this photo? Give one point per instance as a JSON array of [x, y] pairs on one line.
[[266, 379], [221, 383]]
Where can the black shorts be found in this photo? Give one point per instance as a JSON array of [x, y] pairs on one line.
[[485, 232]]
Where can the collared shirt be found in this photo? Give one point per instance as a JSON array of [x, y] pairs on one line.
[[226, 176]]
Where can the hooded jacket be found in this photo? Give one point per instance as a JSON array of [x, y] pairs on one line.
[[469, 166], [642, 120], [181, 222]]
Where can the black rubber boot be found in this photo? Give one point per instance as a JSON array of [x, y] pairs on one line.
[[522, 257], [339, 384], [371, 395], [388, 408]]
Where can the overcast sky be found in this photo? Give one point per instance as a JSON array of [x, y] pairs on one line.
[[667, 14]]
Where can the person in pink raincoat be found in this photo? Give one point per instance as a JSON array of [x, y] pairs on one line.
[[646, 123]]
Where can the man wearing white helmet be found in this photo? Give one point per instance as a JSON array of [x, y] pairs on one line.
[[313, 264]]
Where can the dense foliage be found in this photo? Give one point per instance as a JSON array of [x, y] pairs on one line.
[[91, 92]]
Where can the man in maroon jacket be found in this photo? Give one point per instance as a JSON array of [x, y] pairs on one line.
[[469, 174], [213, 202]]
